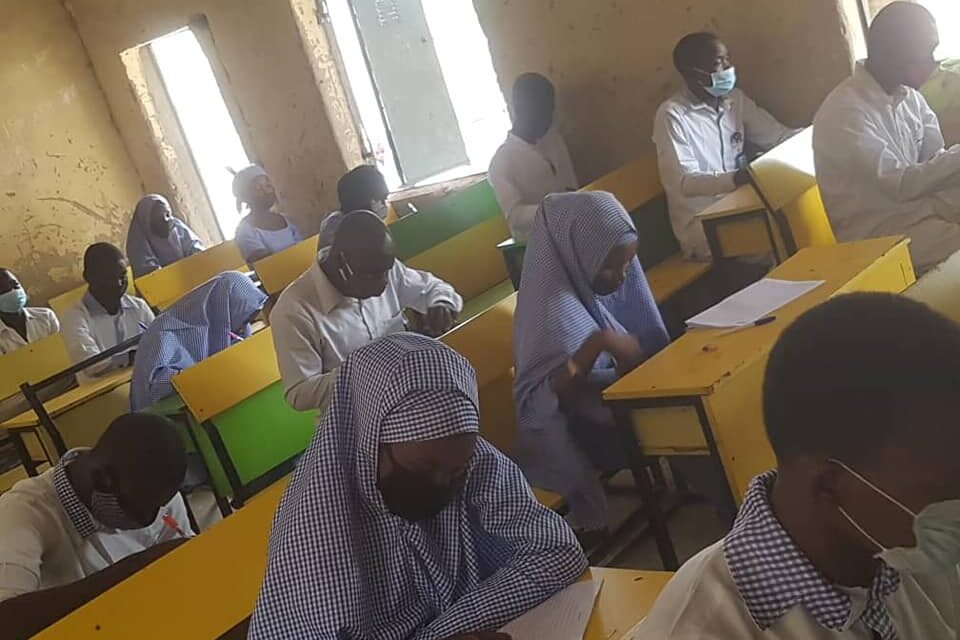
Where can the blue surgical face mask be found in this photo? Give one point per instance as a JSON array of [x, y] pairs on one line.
[[721, 82], [13, 301], [105, 509]]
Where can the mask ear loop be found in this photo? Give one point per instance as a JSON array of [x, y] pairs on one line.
[[880, 491]]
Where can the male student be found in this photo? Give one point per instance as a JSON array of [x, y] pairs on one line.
[[354, 293], [96, 518], [361, 189], [534, 160], [19, 324], [856, 535], [701, 134], [106, 315], [878, 147]]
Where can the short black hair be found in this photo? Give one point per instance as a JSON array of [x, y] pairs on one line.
[[532, 88], [358, 186], [855, 372], [99, 253], [896, 23], [691, 50], [147, 443]]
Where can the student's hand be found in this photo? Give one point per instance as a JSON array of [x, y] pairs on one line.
[[625, 348], [439, 320], [481, 635], [741, 177]]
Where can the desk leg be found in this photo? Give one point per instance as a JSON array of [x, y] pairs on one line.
[[713, 238], [23, 453], [730, 502], [651, 501]]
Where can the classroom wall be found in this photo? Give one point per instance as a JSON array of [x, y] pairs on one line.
[[611, 60], [66, 179]]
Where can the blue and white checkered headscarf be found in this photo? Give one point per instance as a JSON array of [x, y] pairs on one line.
[[192, 329], [341, 565]]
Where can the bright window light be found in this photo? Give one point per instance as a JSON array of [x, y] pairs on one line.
[[947, 13]]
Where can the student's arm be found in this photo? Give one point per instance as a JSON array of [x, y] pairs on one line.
[[762, 129], [189, 241], [305, 383], [421, 290], [81, 344], [250, 245], [679, 165], [932, 133], [565, 164], [141, 256], [520, 215], [52, 323]]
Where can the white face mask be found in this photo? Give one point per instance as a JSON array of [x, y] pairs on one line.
[[936, 529]]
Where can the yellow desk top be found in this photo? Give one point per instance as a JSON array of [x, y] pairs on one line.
[[625, 598], [743, 200], [699, 360], [73, 398]]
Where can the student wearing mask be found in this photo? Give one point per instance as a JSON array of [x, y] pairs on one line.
[[94, 519], [156, 238], [206, 321], [356, 292], [400, 521], [362, 189], [106, 315], [19, 324], [856, 535], [263, 231], [534, 160], [879, 151], [701, 133]]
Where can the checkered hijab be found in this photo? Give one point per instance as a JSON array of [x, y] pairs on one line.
[[342, 566]]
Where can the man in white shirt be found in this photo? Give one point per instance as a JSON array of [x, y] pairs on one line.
[[93, 520], [355, 293], [534, 160], [105, 316], [19, 324], [701, 133], [828, 546], [878, 147], [363, 188]]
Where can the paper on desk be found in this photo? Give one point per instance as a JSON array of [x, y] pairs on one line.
[[757, 301], [562, 617], [634, 633]]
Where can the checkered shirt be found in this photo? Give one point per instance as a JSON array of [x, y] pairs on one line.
[[78, 513]]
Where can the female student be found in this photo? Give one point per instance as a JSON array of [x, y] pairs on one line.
[[156, 238], [585, 316], [20, 324], [262, 232], [400, 522], [204, 322]]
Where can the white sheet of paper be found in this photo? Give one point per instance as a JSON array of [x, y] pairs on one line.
[[634, 633], [757, 301], [562, 617]]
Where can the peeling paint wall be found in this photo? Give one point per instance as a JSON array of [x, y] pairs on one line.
[[611, 60], [66, 179]]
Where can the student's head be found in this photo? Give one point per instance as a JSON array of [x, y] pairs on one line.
[[534, 99], [704, 62], [13, 297], [136, 467], [901, 44], [252, 186], [613, 270], [362, 255], [866, 384], [363, 189], [105, 271], [153, 214]]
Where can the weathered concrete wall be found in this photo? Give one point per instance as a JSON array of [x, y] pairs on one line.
[[611, 60], [66, 179]]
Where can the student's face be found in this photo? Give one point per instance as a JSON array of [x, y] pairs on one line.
[[262, 193], [161, 219], [715, 58], [613, 271], [534, 113], [109, 278], [139, 497], [917, 61], [8, 281], [366, 273], [418, 479]]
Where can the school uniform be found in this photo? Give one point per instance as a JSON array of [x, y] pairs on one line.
[[88, 329], [252, 240], [147, 251], [41, 322]]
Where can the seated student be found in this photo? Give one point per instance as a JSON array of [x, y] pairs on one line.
[[878, 147], [362, 189], [701, 133], [355, 292], [585, 315], [856, 535], [105, 316], [400, 521], [19, 324], [204, 322], [262, 232], [156, 238], [96, 518], [534, 160]]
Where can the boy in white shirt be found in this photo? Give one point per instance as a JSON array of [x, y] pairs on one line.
[[19, 324]]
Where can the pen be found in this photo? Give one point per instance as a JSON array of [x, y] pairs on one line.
[[757, 323], [171, 523], [236, 336]]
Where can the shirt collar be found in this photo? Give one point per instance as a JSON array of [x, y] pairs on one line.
[[327, 294], [96, 309], [78, 513], [773, 575], [695, 103], [866, 80]]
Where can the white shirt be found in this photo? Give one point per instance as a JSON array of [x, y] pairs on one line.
[[41, 322], [882, 168], [697, 151], [522, 174], [48, 538], [315, 327], [88, 329]]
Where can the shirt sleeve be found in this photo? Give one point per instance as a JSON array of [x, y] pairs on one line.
[[189, 241], [421, 290], [519, 214], [81, 341], [932, 133], [305, 383], [250, 243], [565, 164], [762, 129], [679, 166], [21, 549]]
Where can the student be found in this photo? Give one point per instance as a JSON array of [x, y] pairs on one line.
[[878, 147], [362, 189], [400, 522], [856, 535], [94, 519], [585, 316], [156, 238], [19, 324], [206, 321], [534, 160], [105, 316], [354, 293], [262, 232], [701, 133]]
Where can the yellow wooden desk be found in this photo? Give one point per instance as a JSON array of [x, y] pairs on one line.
[[702, 394], [163, 287], [738, 225], [280, 269], [626, 598]]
